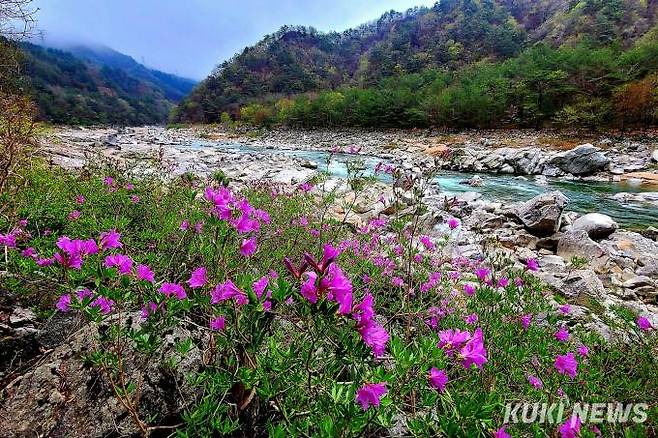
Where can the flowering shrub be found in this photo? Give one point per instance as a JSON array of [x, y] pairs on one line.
[[310, 328]]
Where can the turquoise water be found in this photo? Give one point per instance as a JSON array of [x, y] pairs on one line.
[[584, 197]]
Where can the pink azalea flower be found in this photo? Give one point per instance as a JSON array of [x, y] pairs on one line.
[[169, 289], [149, 309], [84, 293], [534, 381], [566, 364], [144, 273], [134, 199], [397, 282], [340, 287], [583, 351], [427, 242], [364, 310], [45, 261], [453, 223], [565, 309], [482, 273], [87, 247], [562, 334], [218, 323], [532, 265], [309, 289], [374, 336], [503, 282], [184, 225], [198, 227], [644, 324], [526, 320], [469, 289], [570, 428], [74, 215], [108, 181], [244, 224], [199, 278], [104, 304], [80, 199], [64, 303], [259, 286], [110, 240], [474, 352], [471, 319], [8, 240], [452, 340], [248, 247], [502, 433], [73, 251], [438, 379], [120, 261], [371, 394], [329, 254], [226, 291], [29, 253]]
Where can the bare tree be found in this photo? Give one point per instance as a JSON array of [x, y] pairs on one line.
[[17, 18], [17, 125], [17, 134]]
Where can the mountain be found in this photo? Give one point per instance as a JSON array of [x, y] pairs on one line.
[[97, 85], [174, 87], [452, 37]]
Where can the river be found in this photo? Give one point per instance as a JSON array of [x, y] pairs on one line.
[[584, 197]]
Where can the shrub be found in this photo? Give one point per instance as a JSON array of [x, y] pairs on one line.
[[309, 328]]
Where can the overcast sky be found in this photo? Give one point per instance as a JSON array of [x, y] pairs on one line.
[[190, 37]]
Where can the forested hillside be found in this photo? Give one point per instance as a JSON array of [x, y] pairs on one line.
[[174, 87], [88, 86], [460, 63]]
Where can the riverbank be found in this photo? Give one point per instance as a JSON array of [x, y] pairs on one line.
[[295, 156], [614, 267]]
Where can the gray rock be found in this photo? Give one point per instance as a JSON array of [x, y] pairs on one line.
[[654, 156], [542, 214], [309, 164], [62, 396], [634, 246], [597, 225], [581, 160], [541, 180], [506, 168], [475, 181], [21, 316], [583, 282], [576, 243], [638, 281]]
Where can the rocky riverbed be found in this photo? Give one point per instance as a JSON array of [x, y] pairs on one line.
[[588, 260]]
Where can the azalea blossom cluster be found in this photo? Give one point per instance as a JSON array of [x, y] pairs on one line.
[[239, 213], [11, 238], [327, 280]]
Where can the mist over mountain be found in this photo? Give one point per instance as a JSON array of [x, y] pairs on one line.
[[88, 83]]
